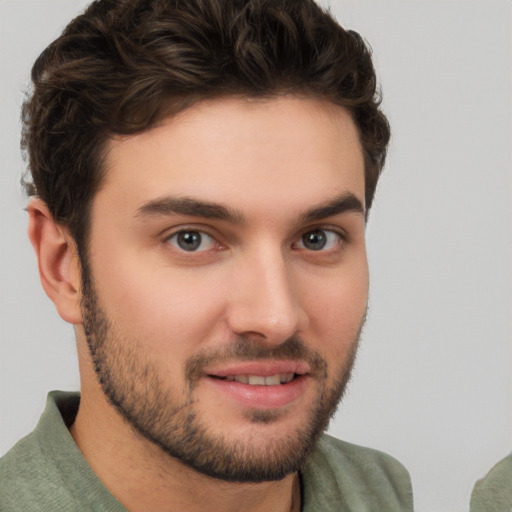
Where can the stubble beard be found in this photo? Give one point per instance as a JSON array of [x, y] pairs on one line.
[[133, 386]]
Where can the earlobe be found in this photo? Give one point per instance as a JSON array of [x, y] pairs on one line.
[[58, 263]]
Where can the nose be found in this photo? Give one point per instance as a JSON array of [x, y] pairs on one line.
[[264, 300]]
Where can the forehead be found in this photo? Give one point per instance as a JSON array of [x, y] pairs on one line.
[[285, 151]]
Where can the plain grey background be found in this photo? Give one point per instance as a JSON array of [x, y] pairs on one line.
[[433, 382]]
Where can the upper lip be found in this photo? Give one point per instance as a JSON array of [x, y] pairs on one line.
[[261, 368]]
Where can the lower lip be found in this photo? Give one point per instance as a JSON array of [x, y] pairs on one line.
[[262, 397]]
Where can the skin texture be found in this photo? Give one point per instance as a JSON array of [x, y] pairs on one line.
[[164, 323]]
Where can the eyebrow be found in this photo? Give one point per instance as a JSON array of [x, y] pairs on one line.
[[189, 206], [344, 203]]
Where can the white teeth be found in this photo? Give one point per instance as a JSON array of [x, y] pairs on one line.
[[259, 380], [256, 380], [273, 380]]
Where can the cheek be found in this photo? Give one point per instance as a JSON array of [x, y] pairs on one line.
[[167, 309], [336, 308]]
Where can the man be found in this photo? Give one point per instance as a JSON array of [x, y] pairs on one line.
[[201, 174]]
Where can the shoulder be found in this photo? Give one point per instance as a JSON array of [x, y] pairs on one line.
[[493, 493], [46, 471], [359, 458], [350, 477], [26, 475]]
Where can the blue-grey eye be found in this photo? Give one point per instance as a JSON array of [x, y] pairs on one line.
[[319, 239], [192, 241]]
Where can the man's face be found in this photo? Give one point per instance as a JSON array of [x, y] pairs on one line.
[[227, 279]]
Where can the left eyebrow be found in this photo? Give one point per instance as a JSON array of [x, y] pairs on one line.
[[344, 203]]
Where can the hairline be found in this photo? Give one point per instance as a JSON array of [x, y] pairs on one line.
[[185, 103]]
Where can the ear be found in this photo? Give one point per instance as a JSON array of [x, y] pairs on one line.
[[59, 266]]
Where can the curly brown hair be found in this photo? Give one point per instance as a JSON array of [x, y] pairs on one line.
[[123, 65]]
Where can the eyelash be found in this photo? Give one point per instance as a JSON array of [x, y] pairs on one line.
[[329, 234], [202, 234], [212, 241]]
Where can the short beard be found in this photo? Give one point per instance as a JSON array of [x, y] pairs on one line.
[[132, 385]]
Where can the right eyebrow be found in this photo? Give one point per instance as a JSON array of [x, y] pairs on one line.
[[171, 205], [346, 202]]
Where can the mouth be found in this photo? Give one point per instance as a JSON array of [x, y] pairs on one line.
[[260, 380], [261, 385]]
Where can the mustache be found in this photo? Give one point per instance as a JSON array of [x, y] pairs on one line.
[[244, 349]]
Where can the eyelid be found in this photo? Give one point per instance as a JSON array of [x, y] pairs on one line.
[[339, 232], [213, 234], [214, 242], [200, 228]]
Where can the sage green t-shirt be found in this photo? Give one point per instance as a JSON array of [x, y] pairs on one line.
[[494, 492], [46, 471]]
